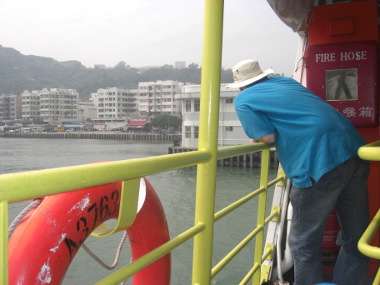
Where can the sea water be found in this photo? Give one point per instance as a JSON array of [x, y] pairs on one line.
[[176, 190]]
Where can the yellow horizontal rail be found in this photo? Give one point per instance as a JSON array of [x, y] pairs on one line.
[[229, 151], [237, 204], [370, 151], [17, 187]]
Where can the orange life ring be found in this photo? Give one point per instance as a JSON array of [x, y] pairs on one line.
[[43, 245]]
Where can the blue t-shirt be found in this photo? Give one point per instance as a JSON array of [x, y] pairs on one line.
[[311, 136]]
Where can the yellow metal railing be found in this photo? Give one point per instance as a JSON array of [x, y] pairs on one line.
[[371, 152], [35, 184]]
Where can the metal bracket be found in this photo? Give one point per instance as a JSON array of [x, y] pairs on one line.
[[127, 209], [276, 209]]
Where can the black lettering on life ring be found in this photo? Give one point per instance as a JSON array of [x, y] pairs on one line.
[[71, 246], [82, 225]]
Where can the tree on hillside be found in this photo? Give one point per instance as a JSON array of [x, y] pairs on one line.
[[121, 65], [193, 66]]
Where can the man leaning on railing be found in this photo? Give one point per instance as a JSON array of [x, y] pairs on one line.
[[317, 148]]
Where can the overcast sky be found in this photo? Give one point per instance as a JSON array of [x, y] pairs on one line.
[[144, 32]]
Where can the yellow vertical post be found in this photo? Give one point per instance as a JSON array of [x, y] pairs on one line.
[[261, 213], [4, 242], [208, 139]]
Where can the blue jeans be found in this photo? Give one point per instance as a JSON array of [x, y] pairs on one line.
[[343, 189]]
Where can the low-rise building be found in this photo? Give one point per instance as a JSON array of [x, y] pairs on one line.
[[86, 111], [10, 107], [230, 131]]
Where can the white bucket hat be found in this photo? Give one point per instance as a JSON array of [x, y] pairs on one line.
[[246, 72]]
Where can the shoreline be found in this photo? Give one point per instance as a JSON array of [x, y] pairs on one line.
[[95, 135], [251, 160]]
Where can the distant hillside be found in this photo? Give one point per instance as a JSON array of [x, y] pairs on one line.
[[19, 72]]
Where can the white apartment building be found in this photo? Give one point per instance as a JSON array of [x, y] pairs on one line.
[[114, 103], [230, 130], [53, 105], [159, 97], [30, 102]]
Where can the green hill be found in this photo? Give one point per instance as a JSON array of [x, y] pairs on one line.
[[20, 72]]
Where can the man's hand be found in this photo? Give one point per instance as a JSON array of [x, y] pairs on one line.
[[271, 138]]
